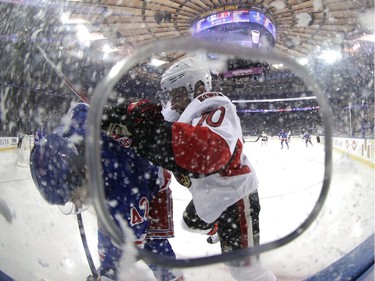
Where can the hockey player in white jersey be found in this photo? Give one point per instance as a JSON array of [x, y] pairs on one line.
[[263, 138], [204, 149]]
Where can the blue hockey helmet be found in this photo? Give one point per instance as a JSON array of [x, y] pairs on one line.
[[56, 168]]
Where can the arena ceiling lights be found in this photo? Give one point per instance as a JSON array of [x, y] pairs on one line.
[[255, 27]]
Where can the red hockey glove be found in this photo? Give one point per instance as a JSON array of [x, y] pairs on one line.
[[143, 113]]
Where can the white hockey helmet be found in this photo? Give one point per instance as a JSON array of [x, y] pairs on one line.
[[186, 73]]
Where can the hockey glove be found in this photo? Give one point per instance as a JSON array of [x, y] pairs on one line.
[[151, 134], [146, 123], [113, 120], [126, 119], [143, 114]]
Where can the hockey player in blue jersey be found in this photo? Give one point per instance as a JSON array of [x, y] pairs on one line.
[[39, 134], [135, 190], [283, 137], [307, 138]]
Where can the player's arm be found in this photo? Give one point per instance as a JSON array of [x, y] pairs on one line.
[[199, 149], [178, 147], [151, 135]]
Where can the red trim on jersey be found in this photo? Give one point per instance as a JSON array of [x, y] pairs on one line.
[[160, 215], [244, 230], [198, 149], [133, 105], [243, 224], [235, 166]]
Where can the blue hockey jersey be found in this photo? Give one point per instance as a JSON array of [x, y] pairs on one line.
[[135, 190]]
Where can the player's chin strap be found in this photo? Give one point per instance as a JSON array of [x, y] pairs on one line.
[[191, 95]]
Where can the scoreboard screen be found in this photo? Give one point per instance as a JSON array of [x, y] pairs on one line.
[[238, 16]]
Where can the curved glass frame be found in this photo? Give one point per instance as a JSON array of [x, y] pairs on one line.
[[93, 155]]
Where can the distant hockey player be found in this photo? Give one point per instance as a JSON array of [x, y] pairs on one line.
[[307, 138], [263, 138], [39, 135], [20, 138], [135, 190], [289, 136], [204, 149], [319, 133], [283, 137]]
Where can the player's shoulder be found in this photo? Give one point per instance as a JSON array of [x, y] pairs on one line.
[[212, 99], [207, 102], [211, 95]]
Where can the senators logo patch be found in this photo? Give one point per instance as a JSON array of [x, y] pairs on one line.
[[183, 179]]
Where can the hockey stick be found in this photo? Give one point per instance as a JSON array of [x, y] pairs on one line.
[[66, 81], [254, 140], [84, 99], [86, 247]]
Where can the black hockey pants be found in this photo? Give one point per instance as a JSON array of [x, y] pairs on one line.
[[238, 224]]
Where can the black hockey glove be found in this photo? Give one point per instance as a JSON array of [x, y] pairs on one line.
[[151, 134], [113, 120], [128, 118]]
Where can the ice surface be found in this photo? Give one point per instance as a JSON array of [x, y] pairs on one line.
[[38, 242]]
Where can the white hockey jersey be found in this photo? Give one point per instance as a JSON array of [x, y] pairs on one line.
[[207, 139]]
